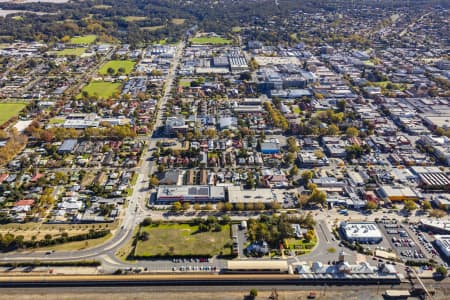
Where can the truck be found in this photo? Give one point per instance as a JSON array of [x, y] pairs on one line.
[[244, 225]]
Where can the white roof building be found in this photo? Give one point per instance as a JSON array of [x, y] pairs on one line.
[[443, 242], [361, 232]]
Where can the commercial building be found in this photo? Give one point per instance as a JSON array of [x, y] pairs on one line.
[[270, 147], [436, 226], [398, 193], [238, 195], [68, 146], [361, 232], [190, 193], [443, 243]]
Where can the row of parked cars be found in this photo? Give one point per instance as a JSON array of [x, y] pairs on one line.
[[192, 260], [412, 253], [399, 242], [195, 268], [423, 240]]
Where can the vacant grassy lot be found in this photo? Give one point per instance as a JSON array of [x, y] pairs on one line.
[[153, 28], [102, 89], [102, 6], [185, 83], [126, 65], [134, 18], [38, 230], [182, 240], [210, 41], [9, 110], [71, 52], [300, 246], [83, 40], [178, 21], [75, 246]]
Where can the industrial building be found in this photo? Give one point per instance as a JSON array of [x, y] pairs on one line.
[[361, 232], [432, 178]]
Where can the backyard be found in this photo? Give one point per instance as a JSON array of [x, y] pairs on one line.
[[102, 89], [10, 110], [183, 240]]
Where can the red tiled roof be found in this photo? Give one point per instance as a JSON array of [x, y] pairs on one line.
[[25, 202]]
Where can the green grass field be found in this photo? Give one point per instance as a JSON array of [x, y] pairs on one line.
[[178, 21], [210, 41], [76, 246], [153, 28], [127, 65], [134, 18], [102, 89], [71, 52], [83, 40], [185, 83], [9, 110], [56, 121], [182, 240]]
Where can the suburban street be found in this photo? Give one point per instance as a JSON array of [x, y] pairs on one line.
[[135, 211]]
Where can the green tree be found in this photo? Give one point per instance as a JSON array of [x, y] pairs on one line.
[[410, 205], [240, 206], [371, 205], [110, 71], [275, 205], [442, 270], [309, 236], [186, 206], [225, 219], [293, 171], [147, 221], [352, 132], [176, 206], [426, 205], [437, 213], [154, 181], [307, 176], [318, 197], [228, 206], [333, 130], [260, 206]]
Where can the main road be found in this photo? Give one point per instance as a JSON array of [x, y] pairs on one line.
[[135, 211]]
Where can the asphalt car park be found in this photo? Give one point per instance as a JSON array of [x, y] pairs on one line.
[[424, 240], [401, 241], [289, 200]]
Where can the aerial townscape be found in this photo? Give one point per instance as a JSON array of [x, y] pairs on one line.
[[224, 149]]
